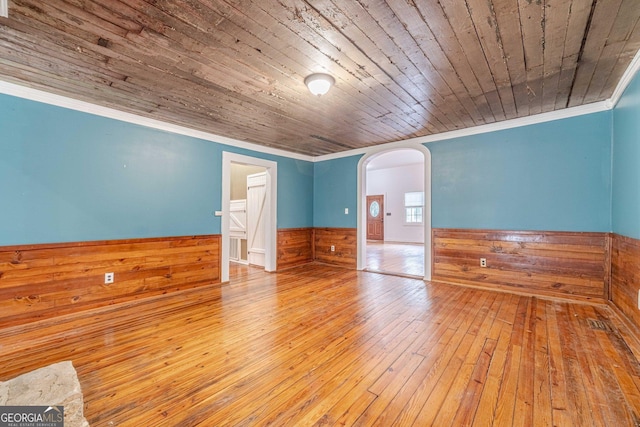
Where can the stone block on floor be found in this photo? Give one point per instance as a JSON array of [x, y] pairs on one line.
[[53, 385]]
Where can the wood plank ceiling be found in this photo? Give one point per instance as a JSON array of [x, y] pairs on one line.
[[403, 68]]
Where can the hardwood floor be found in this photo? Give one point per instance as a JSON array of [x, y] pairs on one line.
[[402, 258], [318, 345]]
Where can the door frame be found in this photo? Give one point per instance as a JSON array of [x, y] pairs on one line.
[[362, 202], [270, 212]]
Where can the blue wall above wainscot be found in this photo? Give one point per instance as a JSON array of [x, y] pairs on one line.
[[625, 200], [71, 176], [549, 176], [335, 187]]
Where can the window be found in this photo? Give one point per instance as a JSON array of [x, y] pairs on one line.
[[413, 205]]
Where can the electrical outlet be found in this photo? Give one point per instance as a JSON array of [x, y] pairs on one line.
[[346, 211], [333, 248], [108, 278], [483, 262]]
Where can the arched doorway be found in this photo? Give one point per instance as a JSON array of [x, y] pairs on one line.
[[367, 159]]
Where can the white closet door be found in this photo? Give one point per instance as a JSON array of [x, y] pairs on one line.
[[256, 197], [238, 219]]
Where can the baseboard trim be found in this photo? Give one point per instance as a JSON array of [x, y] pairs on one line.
[[598, 302]]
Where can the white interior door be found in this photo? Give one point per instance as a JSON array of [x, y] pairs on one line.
[[238, 219], [256, 198], [238, 230]]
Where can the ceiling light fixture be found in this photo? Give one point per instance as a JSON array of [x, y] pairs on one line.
[[4, 8], [319, 83]]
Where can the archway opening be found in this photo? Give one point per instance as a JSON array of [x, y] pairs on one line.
[[394, 211]]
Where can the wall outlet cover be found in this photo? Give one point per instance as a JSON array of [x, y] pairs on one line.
[[108, 278]]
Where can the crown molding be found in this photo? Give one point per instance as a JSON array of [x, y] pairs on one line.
[[595, 107], [625, 80], [111, 113]]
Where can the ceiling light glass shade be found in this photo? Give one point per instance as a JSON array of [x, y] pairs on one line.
[[319, 83]]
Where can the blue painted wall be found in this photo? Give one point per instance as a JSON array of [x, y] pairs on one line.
[[70, 176], [549, 176], [335, 187], [552, 176], [625, 201]]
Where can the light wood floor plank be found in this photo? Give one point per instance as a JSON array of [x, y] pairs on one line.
[[523, 412], [485, 412], [435, 358], [576, 394], [470, 356], [559, 404], [324, 346], [542, 414], [448, 367]]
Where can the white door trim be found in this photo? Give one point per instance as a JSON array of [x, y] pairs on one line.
[[270, 213], [362, 203]]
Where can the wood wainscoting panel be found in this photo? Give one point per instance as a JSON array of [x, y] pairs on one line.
[[344, 241], [41, 281], [549, 263], [295, 247], [625, 277]]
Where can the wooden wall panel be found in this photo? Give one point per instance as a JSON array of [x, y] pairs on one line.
[[41, 281], [625, 277], [345, 242], [295, 247], [545, 263]]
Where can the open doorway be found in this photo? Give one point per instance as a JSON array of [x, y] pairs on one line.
[[246, 214], [249, 209], [394, 212]]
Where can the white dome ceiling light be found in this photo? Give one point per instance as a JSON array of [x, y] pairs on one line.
[[319, 83]]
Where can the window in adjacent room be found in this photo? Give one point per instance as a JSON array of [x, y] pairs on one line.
[[413, 206]]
